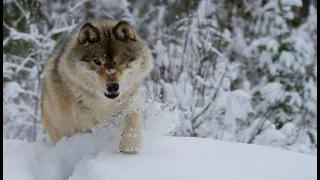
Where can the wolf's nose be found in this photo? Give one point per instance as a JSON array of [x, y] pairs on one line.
[[113, 87]]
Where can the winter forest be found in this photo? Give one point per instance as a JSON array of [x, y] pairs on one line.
[[235, 70]]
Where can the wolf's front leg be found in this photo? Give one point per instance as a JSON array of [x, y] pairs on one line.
[[132, 134]]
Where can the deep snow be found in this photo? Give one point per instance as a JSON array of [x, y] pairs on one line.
[[89, 157], [96, 156]]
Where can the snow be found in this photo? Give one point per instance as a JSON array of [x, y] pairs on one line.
[[13, 89], [297, 3], [288, 128], [271, 91], [96, 156], [93, 157]]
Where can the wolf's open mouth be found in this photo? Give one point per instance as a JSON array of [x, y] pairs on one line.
[[111, 96]]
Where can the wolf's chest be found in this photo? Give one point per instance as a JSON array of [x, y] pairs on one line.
[[87, 116]]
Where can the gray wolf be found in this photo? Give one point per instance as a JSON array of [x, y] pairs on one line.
[[95, 72]]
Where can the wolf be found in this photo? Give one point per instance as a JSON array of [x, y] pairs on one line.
[[94, 72]]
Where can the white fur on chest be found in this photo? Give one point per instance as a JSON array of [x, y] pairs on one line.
[[97, 111]]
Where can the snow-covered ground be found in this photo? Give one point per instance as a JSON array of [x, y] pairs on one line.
[[90, 157], [96, 157]]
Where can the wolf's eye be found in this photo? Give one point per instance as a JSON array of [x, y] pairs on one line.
[[97, 62]]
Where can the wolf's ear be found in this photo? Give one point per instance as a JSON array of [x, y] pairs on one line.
[[88, 33], [123, 31]]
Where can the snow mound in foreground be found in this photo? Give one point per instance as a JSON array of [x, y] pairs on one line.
[[96, 156]]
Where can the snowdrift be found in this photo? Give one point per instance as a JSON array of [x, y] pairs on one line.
[[89, 157], [96, 156]]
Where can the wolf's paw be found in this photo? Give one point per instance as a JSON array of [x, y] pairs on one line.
[[130, 143]]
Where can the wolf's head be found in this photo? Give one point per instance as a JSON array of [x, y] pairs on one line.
[[107, 57]]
